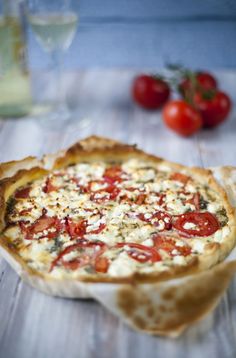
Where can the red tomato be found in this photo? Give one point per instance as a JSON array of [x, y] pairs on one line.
[[101, 264], [180, 177], [214, 110], [156, 218], [22, 193], [205, 224], [43, 223], [182, 118], [75, 229], [140, 199], [98, 230], [203, 80], [206, 80], [168, 244], [195, 200], [108, 193], [150, 92], [140, 253], [87, 253], [49, 186], [113, 174]]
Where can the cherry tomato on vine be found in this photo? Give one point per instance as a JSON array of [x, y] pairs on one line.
[[214, 107], [206, 80], [198, 80], [182, 118], [150, 92]]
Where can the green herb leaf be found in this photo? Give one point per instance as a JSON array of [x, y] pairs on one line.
[[57, 245], [10, 205]]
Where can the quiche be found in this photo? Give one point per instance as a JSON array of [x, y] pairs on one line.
[[108, 220]]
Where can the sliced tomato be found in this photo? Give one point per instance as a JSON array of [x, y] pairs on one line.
[[40, 225], [82, 188], [22, 193], [113, 174], [98, 230], [140, 253], [140, 199], [164, 243], [76, 263], [125, 198], [205, 224], [25, 211], [44, 223], [101, 264], [161, 199], [108, 193], [130, 188], [49, 187], [113, 192], [164, 217], [88, 252], [157, 219], [168, 244], [89, 187], [182, 178], [195, 200], [75, 229]]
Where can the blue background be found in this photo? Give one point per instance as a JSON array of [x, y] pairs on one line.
[[149, 33]]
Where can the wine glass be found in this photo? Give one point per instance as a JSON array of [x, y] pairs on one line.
[[54, 24]]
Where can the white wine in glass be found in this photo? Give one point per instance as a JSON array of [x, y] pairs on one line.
[[54, 31], [54, 24]]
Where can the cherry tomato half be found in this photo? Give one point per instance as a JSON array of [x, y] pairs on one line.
[[182, 118], [150, 92]]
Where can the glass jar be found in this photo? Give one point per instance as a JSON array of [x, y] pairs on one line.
[[15, 92]]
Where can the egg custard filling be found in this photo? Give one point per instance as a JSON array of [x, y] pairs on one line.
[[114, 219]]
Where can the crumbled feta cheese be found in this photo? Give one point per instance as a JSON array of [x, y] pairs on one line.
[[198, 245], [123, 265], [189, 226], [148, 242], [179, 260]]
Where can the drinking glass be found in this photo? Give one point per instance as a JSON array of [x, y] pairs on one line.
[[54, 24]]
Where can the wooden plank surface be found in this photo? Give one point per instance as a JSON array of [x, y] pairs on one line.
[[35, 325]]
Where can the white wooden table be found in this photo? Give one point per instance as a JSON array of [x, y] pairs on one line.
[[35, 325]]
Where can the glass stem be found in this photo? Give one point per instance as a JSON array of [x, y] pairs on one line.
[[58, 90]]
